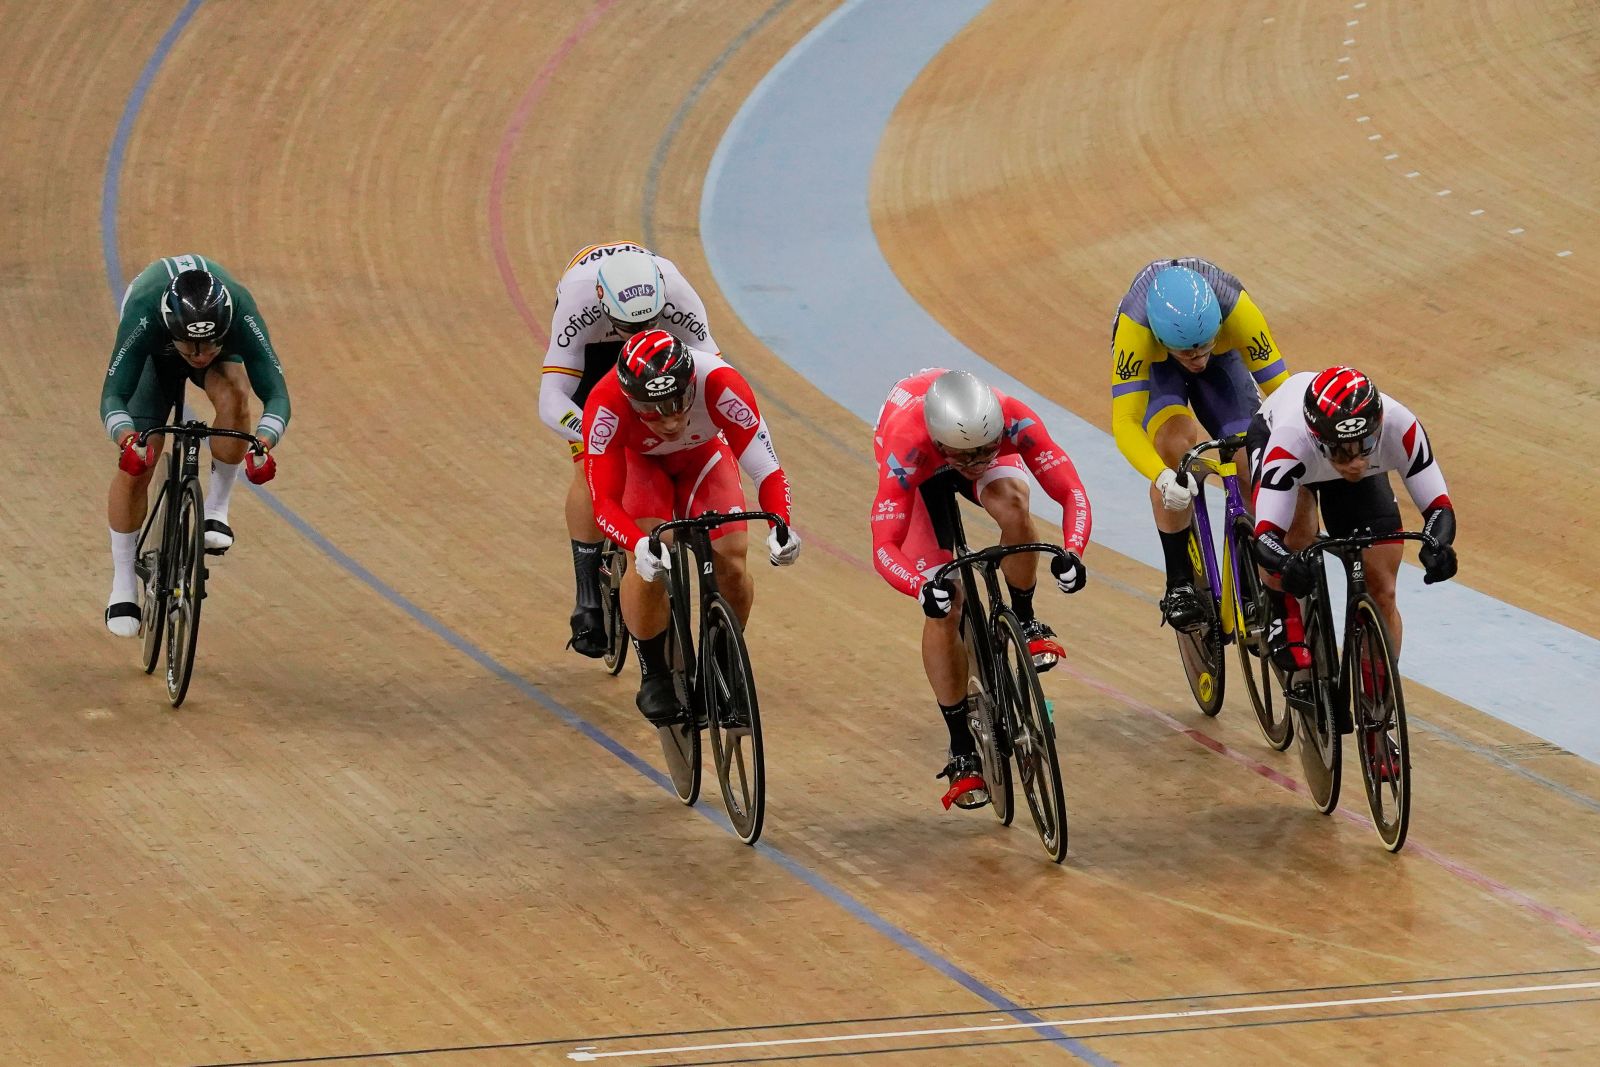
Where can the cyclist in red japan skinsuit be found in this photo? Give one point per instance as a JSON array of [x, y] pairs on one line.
[[665, 434], [945, 432]]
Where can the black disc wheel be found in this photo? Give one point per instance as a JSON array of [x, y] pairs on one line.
[[1032, 735], [733, 720], [1379, 710], [613, 563], [188, 590], [1251, 615], [983, 719], [1200, 648], [1314, 697], [680, 744]]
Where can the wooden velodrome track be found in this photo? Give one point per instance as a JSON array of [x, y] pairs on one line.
[[377, 829]]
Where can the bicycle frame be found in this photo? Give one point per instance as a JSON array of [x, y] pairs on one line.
[[1225, 578]]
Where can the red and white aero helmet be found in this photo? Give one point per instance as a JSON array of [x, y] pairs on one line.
[[656, 370], [1342, 405]]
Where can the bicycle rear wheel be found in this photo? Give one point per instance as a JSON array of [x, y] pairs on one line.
[[149, 569], [733, 720], [613, 563], [1032, 735], [680, 744], [1316, 704], [188, 590], [1379, 711], [986, 722], [1200, 649], [1250, 614]]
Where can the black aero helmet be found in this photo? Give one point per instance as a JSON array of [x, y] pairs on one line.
[[197, 307], [1343, 405], [656, 371]]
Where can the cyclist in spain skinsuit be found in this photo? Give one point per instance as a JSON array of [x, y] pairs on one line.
[[608, 293], [946, 432]]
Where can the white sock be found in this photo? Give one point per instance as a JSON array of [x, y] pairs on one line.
[[223, 475], [124, 583]]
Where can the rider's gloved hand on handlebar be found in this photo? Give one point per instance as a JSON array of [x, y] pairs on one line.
[[935, 597], [1438, 564], [136, 458], [1299, 574], [650, 565], [783, 553], [1177, 490], [260, 468], [1069, 572]]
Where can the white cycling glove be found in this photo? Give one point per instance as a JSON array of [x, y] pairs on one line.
[[1176, 492], [650, 566], [785, 553]]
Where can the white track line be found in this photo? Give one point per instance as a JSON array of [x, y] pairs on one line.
[[587, 1053]]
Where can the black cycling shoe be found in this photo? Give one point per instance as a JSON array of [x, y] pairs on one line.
[[657, 701], [1182, 608], [588, 633]]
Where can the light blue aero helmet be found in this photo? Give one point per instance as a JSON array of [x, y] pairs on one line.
[[1182, 309]]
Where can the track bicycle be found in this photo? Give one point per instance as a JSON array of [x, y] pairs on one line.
[[1010, 719], [613, 565], [1356, 689], [1237, 611], [717, 687], [169, 558]]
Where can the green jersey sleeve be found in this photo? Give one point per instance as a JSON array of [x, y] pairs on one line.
[[139, 336]]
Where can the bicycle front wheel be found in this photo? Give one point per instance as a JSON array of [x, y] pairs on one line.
[[733, 720], [188, 590], [150, 568], [1200, 649], [1379, 710], [1032, 735], [1250, 609], [614, 562], [1316, 702], [680, 744]]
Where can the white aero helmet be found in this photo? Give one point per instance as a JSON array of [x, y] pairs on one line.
[[962, 414], [630, 288]]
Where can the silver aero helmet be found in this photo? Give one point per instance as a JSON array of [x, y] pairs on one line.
[[962, 414], [631, 289]]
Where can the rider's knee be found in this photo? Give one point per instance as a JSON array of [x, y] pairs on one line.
[[229, 395], [1006, 501]]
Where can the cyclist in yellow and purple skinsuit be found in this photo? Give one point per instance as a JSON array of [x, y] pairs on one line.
[[1191, 359]]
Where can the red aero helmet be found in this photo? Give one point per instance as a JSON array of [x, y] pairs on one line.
[[655, 368], [1341, 405]]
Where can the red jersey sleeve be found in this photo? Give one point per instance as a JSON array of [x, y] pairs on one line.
[[1050, 464], [733, 408], [605, 425], [891, 522]]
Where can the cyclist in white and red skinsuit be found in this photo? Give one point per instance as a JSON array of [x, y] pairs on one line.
[[945, 432], [665, 434]]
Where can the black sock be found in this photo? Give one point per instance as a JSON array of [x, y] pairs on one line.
[[955, 720], [652, 653], [1175, 549], [586, 565], [1022, 602]]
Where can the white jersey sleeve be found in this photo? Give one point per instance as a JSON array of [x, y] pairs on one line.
[[684, 313], [1405, 447]]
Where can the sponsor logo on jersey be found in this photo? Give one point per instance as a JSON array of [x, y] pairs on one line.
[[661, 385], [138, 332], [1015, 428], [603, 430], [576, 324], [900, 397], [634, 292], [687, 321], [572, 420], [900, 472], [266, 345], [1127, 366], [1282, 470], [736, 410], [1416, 444]]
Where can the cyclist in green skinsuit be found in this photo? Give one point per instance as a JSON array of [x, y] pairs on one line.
[[184, 317]]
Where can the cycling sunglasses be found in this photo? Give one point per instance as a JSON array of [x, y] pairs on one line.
[[628, 329], [1345, 451], [656, 410], [971, 457]]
